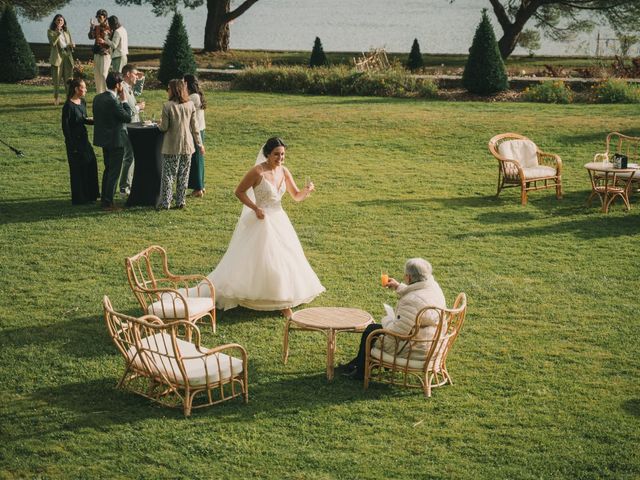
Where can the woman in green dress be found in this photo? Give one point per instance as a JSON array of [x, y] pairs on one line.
[[61, 56], [83, 167]]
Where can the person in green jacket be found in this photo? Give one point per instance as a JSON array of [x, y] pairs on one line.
[[61, 56]]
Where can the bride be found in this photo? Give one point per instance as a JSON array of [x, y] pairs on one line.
[[264, 267]]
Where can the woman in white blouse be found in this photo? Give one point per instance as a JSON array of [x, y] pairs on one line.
[[196, 172], [119, 43]]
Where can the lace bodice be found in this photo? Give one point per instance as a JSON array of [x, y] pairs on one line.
[[267, 196]]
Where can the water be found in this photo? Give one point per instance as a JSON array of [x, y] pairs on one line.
[[342, 25]]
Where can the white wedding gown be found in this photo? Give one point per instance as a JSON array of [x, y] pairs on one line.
[[264, 267]]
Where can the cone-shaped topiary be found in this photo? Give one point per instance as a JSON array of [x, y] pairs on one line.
[[16, 57], [415, 57], [484, 72], [177, 57], [318, 58]]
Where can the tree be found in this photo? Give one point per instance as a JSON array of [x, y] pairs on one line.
[[15, 55], [318, 58], [560, 19], [529, 39], [415, 57], [484, 72], [177, 57], [34, 9], [219, 15]]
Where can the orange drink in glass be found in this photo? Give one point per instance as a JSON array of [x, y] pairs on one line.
[[384, 279]]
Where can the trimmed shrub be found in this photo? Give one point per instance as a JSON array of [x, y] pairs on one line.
[[16, 57], [334, 81], [485, 73], [414, 62], [615, 90], [549, 92], [177, 57], [318, 58]]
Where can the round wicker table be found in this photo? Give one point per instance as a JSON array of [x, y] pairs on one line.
[[608, 182], [328, 320]]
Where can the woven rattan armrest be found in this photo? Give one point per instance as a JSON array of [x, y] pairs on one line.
[[382, 332], [542, 156]]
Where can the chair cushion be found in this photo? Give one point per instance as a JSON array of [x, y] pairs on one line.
[[541, 171], [212, 368], [171, 306], [636, 175], [522, 151], [414, 364]]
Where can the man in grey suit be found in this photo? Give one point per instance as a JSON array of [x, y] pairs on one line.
[[132, 86], [110, 114]]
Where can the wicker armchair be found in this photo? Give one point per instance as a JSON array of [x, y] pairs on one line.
[[401, 359], [161, 366], [522, 164], [168, 296]]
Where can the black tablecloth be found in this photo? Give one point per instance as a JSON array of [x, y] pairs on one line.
[[147, 172]]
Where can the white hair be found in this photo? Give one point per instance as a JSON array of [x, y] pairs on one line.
[[418, 270]]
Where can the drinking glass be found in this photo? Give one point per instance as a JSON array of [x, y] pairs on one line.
[[384, 278]]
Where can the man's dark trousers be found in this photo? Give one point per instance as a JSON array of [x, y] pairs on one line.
[[113, 157]]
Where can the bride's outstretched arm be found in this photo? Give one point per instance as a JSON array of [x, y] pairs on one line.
[[297, 194], [250, 179]]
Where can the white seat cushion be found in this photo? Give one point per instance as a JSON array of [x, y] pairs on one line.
[[171, 306], [198, 370], [522, 151], [541, 171], [636, 175], [402, 362]]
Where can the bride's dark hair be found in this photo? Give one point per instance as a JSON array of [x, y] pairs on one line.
[[271, 144]]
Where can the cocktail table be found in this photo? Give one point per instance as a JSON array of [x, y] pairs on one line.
[[608, 182], [328, 320]]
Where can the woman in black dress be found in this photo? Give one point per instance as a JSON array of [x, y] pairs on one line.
[[83, 166]]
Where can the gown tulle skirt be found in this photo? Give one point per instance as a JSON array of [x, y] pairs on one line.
[[264, 267]]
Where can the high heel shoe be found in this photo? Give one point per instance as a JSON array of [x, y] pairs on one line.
[[198, 193]]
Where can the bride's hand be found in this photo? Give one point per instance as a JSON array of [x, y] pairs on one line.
[[259, 213]]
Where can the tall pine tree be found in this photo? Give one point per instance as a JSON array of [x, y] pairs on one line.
[[16, 57], [415, 57], [318, 58], [484, 72], [177, 58]]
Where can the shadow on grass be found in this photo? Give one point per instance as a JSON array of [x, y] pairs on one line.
[[477, 201], [632, 407], [94, 404], [83, 337], [99, 404], [244, 315], [587, 228], [37, 210]]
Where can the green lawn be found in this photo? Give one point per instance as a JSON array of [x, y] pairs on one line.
[[546, 369]]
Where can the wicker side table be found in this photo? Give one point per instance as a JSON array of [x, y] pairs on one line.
[[328, 320]]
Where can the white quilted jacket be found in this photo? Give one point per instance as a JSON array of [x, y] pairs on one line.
[[412, 299]]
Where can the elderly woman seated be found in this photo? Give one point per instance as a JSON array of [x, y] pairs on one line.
[[418, 290]]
